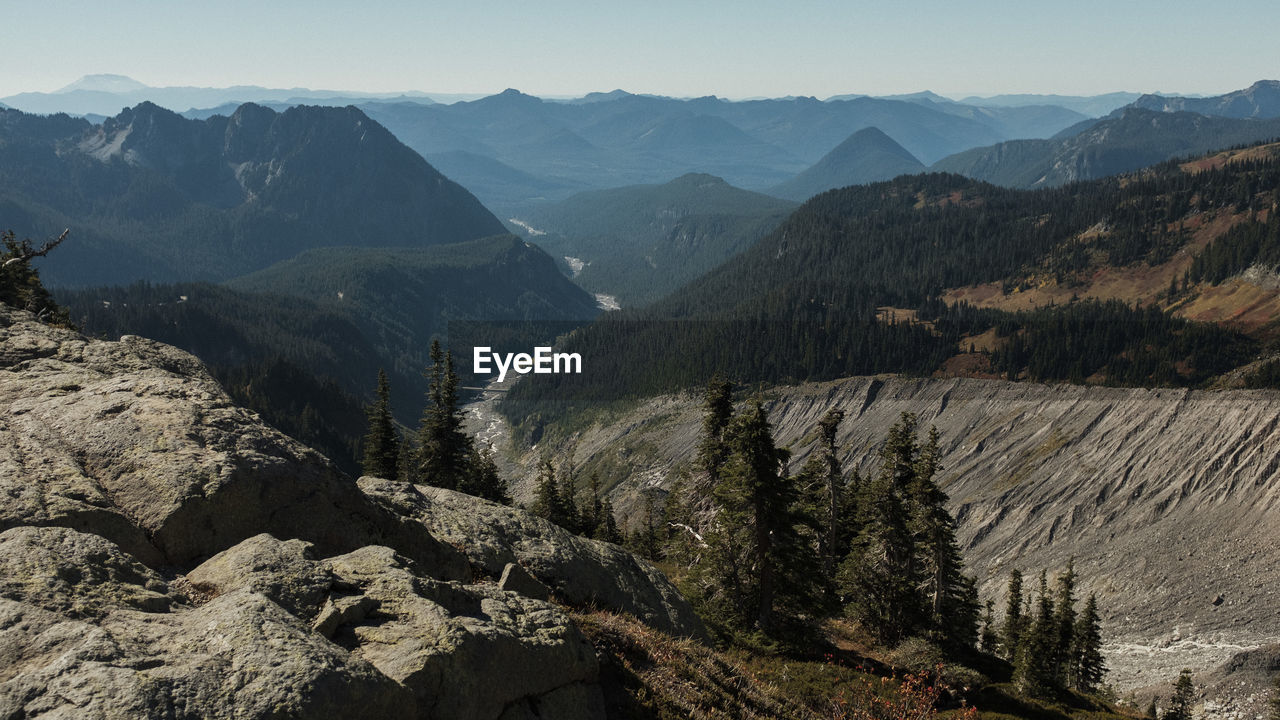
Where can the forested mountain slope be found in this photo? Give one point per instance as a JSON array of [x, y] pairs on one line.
[[150, 195], [639, 243]]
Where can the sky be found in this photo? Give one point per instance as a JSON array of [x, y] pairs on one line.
[[733, 49]]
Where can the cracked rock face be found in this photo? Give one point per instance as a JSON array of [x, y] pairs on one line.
[[133, 441], [123, 464], [579, 570], [87, 632]]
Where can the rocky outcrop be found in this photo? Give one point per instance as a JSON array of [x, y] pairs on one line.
[[133, 441], [578, 570], [165, 554], [87, 633], [1167, 499], [462, 651]]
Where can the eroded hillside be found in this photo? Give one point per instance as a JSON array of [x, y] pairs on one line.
[[1167, 499]]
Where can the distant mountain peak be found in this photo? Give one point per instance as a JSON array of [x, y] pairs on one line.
[[868, 155], [698, 179], [104, 82]]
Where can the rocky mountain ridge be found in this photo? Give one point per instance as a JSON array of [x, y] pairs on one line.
[[166, 554]]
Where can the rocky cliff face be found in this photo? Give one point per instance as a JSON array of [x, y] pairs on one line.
[[164, 553], [1167, 499]]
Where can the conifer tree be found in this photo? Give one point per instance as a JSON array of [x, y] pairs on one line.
[[713, 450], [950, 598], [1065, 622], [833, 542], [20, 285], [1152, 711], [1033, 667], [382, 444], [1014, 622], [482, 479], [591, 514], [607, 530], [568, 487], [756, 495], [1184, 695], [761, 566], [646, 540], [443, 447], [1088, 665], [548, 501], [879, 577], [683, 543], [990, 638]]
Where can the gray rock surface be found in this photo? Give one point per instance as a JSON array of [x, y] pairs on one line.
[[518, 580], [579, 570], [75, 574], [87, 632], [124, 464], [286, 572], [133, 441], [466, 651]]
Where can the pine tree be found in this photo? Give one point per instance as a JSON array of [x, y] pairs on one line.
[[568, 487], [713, 451], [1152, 710], [607, 530], [1064, 663], [879, 575], [950, 597], [443, 447], [990, 638], [591, 513], [1014, 622], [683, 544], [1033, 666], [646, 540], [482, 479], [1184, 695], [382, 444], [833, 542], [1088, 663], [761, 564], [548, 500], [20, 285]]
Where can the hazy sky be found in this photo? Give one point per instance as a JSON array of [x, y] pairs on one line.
[[728, 48]]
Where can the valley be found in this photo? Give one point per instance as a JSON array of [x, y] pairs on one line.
[[1080, 293]]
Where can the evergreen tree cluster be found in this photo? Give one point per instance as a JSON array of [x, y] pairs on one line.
[[444, 454], [903, 575], [585, 512], [764, 550], [1250, 243], [1052, 646]]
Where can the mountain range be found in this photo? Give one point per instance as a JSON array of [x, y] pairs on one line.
[[151, 195], [1130, 139], [1259, 100], [106, 94]]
